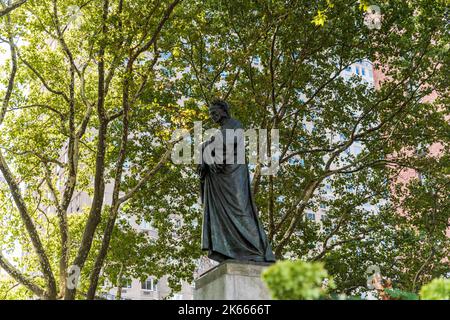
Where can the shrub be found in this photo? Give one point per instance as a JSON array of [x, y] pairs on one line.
[[297, 280], [438, 289], [396, 294]]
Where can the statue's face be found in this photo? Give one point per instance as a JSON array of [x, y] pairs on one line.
[[217, 114]]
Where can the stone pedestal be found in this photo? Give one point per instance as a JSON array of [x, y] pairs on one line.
[[232, 280]]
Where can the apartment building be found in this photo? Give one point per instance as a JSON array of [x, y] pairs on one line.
[[363, 69]]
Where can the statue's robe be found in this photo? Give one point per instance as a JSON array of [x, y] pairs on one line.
[[231, 228]]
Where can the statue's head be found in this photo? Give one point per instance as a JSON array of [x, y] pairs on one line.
[[219, 110]]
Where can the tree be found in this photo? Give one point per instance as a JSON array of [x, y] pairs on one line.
[[111, 80], [279, 69], [69, 78]]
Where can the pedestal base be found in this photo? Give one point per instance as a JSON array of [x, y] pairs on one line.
[[232, 280]]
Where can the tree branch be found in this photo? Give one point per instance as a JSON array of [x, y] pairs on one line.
[[21, 278], [11, 7], [12, 74], [29, 225]]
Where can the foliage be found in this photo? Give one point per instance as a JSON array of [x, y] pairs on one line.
[[438, 289], [10, 290], [396, 294], [278, 70], [62, 126], [297, 280]]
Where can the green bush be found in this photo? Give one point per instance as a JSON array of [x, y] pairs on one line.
[[297, 280], [438, 289], [396, 294]]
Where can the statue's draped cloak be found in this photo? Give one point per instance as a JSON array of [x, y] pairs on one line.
[[231, 228]]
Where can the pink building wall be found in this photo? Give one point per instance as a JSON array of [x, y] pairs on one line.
[[435, 150]]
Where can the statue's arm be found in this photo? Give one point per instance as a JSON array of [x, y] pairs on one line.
[[203, 167]]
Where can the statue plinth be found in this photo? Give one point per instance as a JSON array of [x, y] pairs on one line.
[[232, 280]]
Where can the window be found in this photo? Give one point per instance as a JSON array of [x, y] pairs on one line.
[[363, 71], [322, 206], [126, 283], [311, 216], [109, 296], [323, 217], [348, 68], [357, 70], [149, 285]]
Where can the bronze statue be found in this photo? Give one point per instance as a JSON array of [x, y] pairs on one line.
[[231, 228]]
